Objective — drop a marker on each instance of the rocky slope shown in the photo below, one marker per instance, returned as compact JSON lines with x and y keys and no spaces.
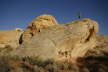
{"x":101,"y":48}
{"x":10,"y":37}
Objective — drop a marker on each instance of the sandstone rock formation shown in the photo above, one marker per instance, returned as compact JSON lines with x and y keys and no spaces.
{"x":10,"y":37}
{"x":36,"y":26}
{"x":75,"y":47}
{"x":61,"y":41}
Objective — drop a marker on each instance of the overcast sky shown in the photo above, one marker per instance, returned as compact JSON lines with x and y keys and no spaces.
{"x":19,"y":13}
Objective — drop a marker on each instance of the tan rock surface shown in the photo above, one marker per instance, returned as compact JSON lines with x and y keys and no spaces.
{"x":36,"y":26}
{"x":10,"y":37}
{"x":101,"y":48}
{"x":61,"y":41}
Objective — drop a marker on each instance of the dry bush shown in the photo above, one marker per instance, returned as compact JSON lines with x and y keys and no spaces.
{"x":32,"y":64}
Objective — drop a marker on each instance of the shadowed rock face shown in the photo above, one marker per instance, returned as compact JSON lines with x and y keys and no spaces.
{"x":36,"y":26}
{"x":61,"y":41}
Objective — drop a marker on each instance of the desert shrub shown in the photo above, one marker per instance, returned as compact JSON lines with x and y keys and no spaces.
{"x":94,"y":64}
{"x":34,"y":64}
{"x":33,"y":61}
{"x":4,"y":66}
{"x":51,"y":68}
{"x":5,"y":50}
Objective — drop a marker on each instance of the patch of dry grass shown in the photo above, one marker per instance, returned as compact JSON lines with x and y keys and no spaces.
{"x":31,"y":64}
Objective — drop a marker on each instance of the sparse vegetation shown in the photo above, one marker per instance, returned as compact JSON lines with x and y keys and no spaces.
{"x":30,"y":64}
{"x":6,"y":50}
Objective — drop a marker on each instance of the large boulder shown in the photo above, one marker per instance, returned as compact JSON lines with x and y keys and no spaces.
{"x":36,"y":26}
{"x":61,"y":41}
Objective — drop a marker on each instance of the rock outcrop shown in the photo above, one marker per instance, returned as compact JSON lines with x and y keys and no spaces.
{"x":10,"y":37}
{"x":61,"y":41}
{"x":36,"y":26}
{"x":48,"y":46}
